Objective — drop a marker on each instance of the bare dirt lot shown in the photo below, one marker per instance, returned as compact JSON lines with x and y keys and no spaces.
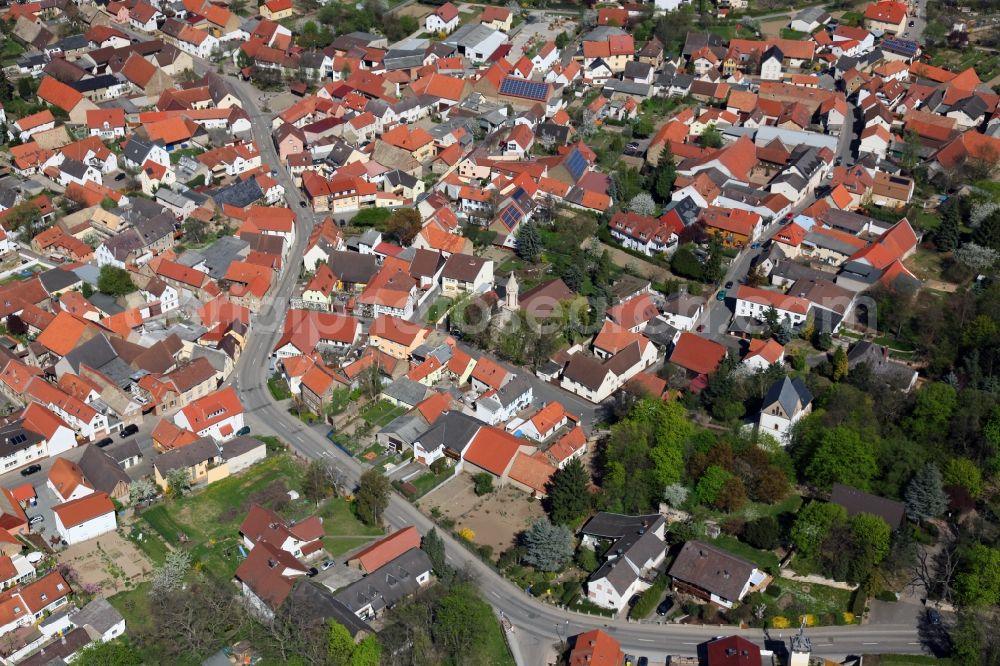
{"x":496,"y":518}
{"x":109,"y":561}
{"x":416,"y":10}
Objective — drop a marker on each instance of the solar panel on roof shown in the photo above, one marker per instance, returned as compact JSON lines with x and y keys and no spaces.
{"x":576,"y":164}
{"x":522,"y":88}
{"x":510,"y":216}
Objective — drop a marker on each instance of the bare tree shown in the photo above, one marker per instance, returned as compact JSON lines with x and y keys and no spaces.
{"x":936,"y":570}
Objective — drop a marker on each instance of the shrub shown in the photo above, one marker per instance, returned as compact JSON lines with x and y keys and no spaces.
{"x":467,"y":533}
{"x":886,"y":595}
{"x":439,"y":466}
{"x":484,"y":483}
{"x":763,"y":533}
{"x":773,"y":591}
{"x":587,"y":559}
{"x":571,"y":589}
{"x":649,"y":599}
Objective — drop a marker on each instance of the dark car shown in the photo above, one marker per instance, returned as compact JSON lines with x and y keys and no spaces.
{"x":633,"y":600}
{"x":120,"y":176}
{"x":107,"y":441}
{"x":643,"y":661}
{"x":313,"y":571}
{"x":129,"y":430}
{"x":245,"y":430}
{"x":302,"y":204}
{"x":31,"y":469}
{"x":729,"y":285}
{"x":911,"y":24}
{"x":664,"y":606}
{"x":933,"y":616}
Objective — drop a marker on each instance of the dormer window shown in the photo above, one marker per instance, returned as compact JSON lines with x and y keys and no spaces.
{"x":44,"y":597}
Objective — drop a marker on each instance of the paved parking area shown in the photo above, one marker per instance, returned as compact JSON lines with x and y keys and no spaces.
{"x":339,"y":576}
{"x":46,"y":500}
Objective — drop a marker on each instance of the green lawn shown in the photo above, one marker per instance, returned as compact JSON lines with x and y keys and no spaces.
{"x":423,"y":484}
{"x":10,"y":52}
{"x":278,"y":388}
{"x":176,"y":155}
{"x":151,"y":544}
{"x":381,"y":413}
{"x":905,"y":660}
{"x":762,"y":558}
{"x":509,"y":265}
{"x":134,"y":606}
{"x":209,"y":519}
{"x":438,"y":309}
{"x":788,"y":33}
{"x":816,"y":599}
{"x":344,"y":532}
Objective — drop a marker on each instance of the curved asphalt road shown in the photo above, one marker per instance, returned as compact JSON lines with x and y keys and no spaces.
{"x":537,"y":625}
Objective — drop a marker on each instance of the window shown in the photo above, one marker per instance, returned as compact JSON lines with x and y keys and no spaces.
{"x":44,"y":596}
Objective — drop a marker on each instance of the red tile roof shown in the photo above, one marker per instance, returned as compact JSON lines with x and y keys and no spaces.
{"x":697,"y":354}
{"x":83,"y":509}
{"x":213,"y":408}
{"x":387,"y":549}
{"x":59,"y":94}
{"x":595,"y":648}
{"x":493,"y":450}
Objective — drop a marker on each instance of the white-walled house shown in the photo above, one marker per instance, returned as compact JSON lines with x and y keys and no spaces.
{"x":786,"y":402}
{"x":218,"y":415}
{"x":638,"y":547}
{"x":67,"y":482}
{"x":501,"y":405}
{"x":85,"y":518}
{"x":754,"y":303}
{"x":444,"y":19}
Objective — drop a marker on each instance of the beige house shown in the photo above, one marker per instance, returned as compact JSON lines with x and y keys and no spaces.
{"x":891,"y":190}
{"x":201,"y":459}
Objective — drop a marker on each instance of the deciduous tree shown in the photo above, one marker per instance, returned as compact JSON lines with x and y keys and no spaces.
{"x":978,"y":580}
{"x":813,"y":522}
{"x":372,"y":497}
{"x":114,"y":281}
{"x":842,"y":455}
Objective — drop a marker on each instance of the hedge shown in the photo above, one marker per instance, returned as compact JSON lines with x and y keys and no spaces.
{"x":649,"y":599}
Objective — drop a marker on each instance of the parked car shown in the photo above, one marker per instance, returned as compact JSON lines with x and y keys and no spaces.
{"x":327,"y":564}
{"x":34,"y":520}
{"x":302,"y":204}
{"x":721,"y":296}
{"x":643,"y":661}
{"x":129,"y":430}
{"x":701,"y":327}
{"x":629,"y":660}
{"x":245,"y":430}
{"x":729,"y":285}
{"x":107,"y":441}
{"x":31,"y":469}
{"x":933,"y":616}
{"x":313,"y":571}
{"x":664,"y":606}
